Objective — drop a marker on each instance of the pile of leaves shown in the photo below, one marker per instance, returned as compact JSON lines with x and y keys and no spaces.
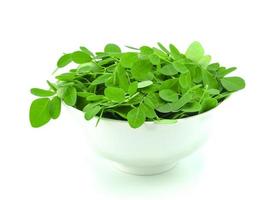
{"x":142,"y":84}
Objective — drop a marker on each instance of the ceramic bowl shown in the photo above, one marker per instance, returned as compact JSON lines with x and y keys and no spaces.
{"x":151,"y":149}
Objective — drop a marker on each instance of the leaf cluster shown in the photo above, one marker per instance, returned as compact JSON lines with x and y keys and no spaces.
{"x":142,"y":84}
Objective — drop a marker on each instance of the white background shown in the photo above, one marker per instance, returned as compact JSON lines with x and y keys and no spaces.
{"x":55,"y":162}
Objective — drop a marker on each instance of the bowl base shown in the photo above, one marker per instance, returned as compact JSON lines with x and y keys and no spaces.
{"x":145,"y":170}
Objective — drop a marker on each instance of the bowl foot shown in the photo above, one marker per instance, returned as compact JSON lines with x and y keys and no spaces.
{"x":145,"y":170}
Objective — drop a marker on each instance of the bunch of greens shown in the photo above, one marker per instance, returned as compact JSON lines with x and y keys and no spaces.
{"x":145,"y":84}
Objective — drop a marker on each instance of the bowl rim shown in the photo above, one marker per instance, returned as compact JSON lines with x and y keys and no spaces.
{"x":154,"y":122}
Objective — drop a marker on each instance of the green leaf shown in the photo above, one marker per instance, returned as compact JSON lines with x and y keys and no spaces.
{"x":222,"y":71}
{"x":122,"y":78}
{"x":112,"y":48}
{"x":207,"y":104}
{"x":213,"y":67}
{"x":163,"y":48}
{"x":233,"y":83}
{"x":130,"y":47}
{"x":168,"y":70}
{"x":52,"y":86}
{"x":175,"y":52}
{"x":86,"y":68}
{"x":132,"y":89}
{"x":205,"y":60}
{"x":145,"y":50}
{"x":209,"y":79}
{"x":80,"y":57}
{"x":55,"y":107}
{"x":186,"y":98}
{"x":91,"y":112}
{"x":152,"y":100}
{"x":128,"y":59}
{"x":165,"y":108}
{"x":39,"y":112}
{"x":106,"y":61}
{"x":141,"y":70}
{"x":213,"y":91}
{"x":166,"y":121}
{"x":185,"y":80}
{"x":70,"y":96}
{"x":41,"y":92}
{"x":94,"y":97}
{"x":87,"y":51}
{"x":66,"y":76}
{"x":168,"y":95}
{"x":64,"y":60}
{"x":180,"y":66}
{"x":101,"y":79}
{"x":121,"y":111}
{"x":89,"y":106}
{"x":197,"y":74}
{"x":143,"y":84}
{"x":83,"y":94}
{"x":191,"y":107}
{"x":149,"y":111}
{"x":162,"y":55}
{"x":115,"y":94}
{"x":170,"y":84}
{"x":136,"y":117}
{"x":195,"y":52}
{"x":154,"y":59}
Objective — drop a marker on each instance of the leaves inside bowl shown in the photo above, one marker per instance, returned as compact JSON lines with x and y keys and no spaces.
{"x":141,"y":84}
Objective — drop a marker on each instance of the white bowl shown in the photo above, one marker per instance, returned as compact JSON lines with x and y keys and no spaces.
{"x":152,"y":148}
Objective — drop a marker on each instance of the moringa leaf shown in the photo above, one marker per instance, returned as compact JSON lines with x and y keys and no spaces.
{"x":128,"y":59}
{"x":87,"y":51}
{"x":205,"y":60}
{"x":163,"y":48}
{"x":132,"y":89}
{"x":195,"y":51}
{"x":101,"y":79}
{"x":233,"y":83}
{"x":112,"y":48}
{"x":166,"y":121}
{"x":165,"y":108}
{"x":80,"y":57}
{"x":64,"y":60}
{"x":191,"y":107}
{"x":70,"y":95}
{"x":55,"y":107}
{"x":122,"y":78}
{"x":185,"y":80}
{"x":209,"y":79}
{"x":115,"y":94}
{"x":91,"y":112}
{"x":207,"y":104}
{"x":66,"y":76}
{"x":168,"y":95}
{"x":222,"y":71}
{"x":136,"y":117}
{"x":94,"y":97}
{"x":175,"y":52}
{"x":154,"y":59}
{"x":39,"y":112}
{"x":41,"y":92}
{"x":148,"y":111}
{"x":168,"y":70}
{"x":180,"y":66}
{"x":143,"y":84}
{"x":145,"y":50}
{"x":141,"y":70}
